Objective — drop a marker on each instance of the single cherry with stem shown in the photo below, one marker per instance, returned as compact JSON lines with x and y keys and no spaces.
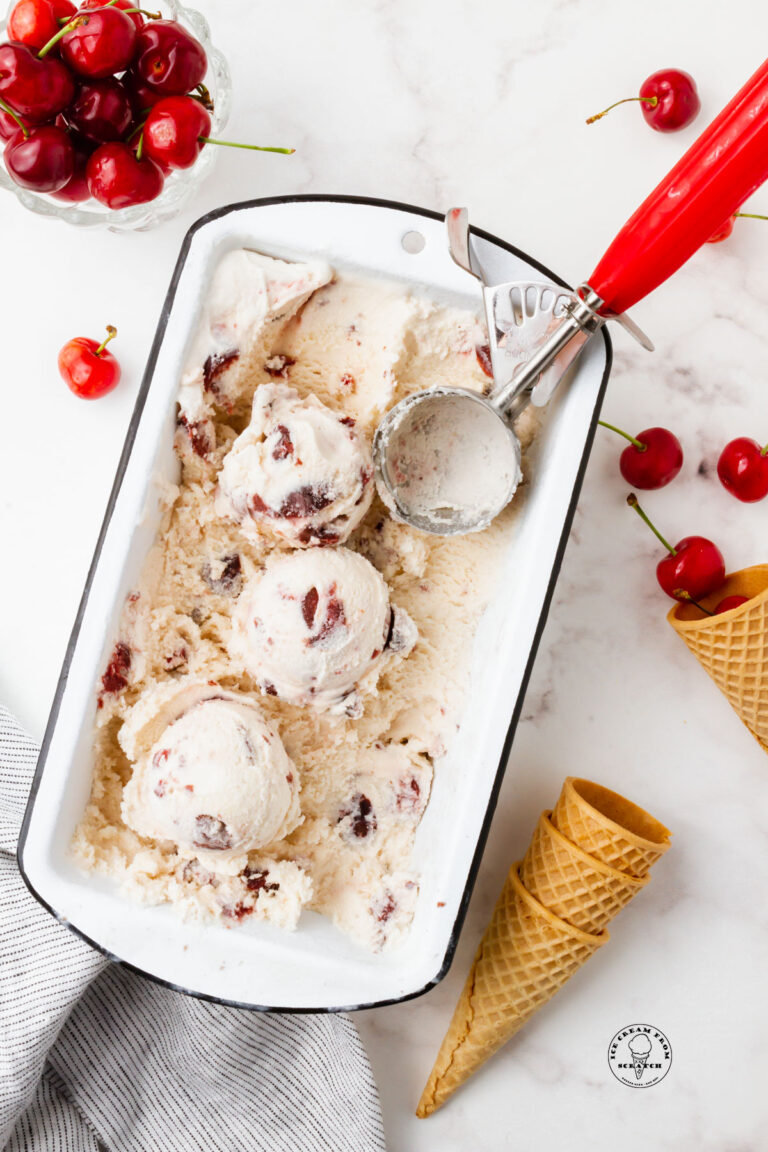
{"x":88,"y":368}
{"x":652,"y":459}
{"x":118,"y":177}
{"x":668,"y":100}
{"x":743,"y":469}
{"x":726,"y":229}
{"x":695,"y":565}
{"x":35,"y":22}
{"x":41,"y":159}
{"x":176,"y":130}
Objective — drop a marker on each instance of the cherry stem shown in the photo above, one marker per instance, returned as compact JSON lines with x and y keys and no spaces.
{"x":250,"y":147}
{"x":111,"y":333}
{"x":138,"y":128}
{"x":637,"y":443}
{"x":143,"y":12}
{"x":140,"y":147}
{"x":681,"y":594}
{"x":77,"y":21}
{"x":202,"y":94}
{"x":634,"y":503}
{"x":651,"y":101}
{"x":751,"y":215}
{"x":15,"y":116}
{"x":764,"y":451}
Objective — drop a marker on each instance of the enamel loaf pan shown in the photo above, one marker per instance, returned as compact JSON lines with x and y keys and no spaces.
{"x":314,"y":968}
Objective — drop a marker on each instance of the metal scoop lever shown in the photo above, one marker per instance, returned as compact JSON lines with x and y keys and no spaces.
{"x":536,"y":328}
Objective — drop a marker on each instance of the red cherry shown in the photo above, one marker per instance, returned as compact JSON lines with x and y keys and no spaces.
{"x":101,"y":110}
{"x":173,"y":131}
{"x":723,"y":231}
{"x":43,"y":159}
{"x":118,"y":179}
{"x":676,"y":99}
{"x":176,"y":130}
{"x":87,"y":368}
{"x":652,"y":459}
{"x":35,"y":22}
{"x":694,"y":567}
{"x":668,"y":99}
{"x":142,"y":96}
{"x":743,"y":469}
{"x":10,"y":122}
{"x":100,"y":43}
{"x":136,"y":17}
{"x":169,"y":59}
{"x":37,"y":89}
{"x":729,"y":603}
{"x":76,"y":189}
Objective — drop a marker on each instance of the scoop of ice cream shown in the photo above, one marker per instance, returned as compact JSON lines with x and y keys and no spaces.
{"x":299,"y":472}
{"x":215,"y":778}
{"x":314,"y":628}
{"x":248,"y":295}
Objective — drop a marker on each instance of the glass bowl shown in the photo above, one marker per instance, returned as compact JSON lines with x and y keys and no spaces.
{"x":180,"y":185}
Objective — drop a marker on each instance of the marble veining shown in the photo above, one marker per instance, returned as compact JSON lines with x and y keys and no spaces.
{"x":484,"y":104}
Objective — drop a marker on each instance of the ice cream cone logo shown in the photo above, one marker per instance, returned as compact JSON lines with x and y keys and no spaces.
{"x":640,"y":1047}
{"x":639,"y":1055}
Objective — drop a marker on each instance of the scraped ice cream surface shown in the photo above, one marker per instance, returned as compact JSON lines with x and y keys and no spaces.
{"x":290,"y":669}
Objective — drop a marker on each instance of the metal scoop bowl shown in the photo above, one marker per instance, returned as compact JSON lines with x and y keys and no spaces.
{"x":446,"y":461}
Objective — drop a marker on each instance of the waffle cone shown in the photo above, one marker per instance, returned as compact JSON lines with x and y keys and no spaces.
{"x":525,"y":956}
{"x":609,"y":827}
{"x":571,"y":883}
{"x":733,"y":646}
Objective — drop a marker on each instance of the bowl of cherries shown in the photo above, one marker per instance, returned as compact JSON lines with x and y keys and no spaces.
{"x":107,"y":109}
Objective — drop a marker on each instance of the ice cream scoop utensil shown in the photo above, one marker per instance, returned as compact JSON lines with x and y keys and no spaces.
{"x":534,"y":338}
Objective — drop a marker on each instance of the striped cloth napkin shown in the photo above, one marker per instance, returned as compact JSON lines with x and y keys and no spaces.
{"x":93,"y":1057}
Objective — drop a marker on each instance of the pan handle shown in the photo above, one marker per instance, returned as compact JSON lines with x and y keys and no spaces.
{"x":715,"y":176}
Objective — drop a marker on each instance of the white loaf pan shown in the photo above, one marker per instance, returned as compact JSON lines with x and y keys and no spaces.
{"x":315,"y":968}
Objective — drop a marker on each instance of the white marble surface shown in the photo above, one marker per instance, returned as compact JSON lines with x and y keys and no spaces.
{"x":483,"y":103}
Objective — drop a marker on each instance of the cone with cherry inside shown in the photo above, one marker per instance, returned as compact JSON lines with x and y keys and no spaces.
{"x":728,"y":634}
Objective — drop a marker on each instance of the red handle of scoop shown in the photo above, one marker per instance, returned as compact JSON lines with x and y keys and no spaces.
{"x":715,"y":176}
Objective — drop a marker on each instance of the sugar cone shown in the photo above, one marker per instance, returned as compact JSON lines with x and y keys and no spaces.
{"x":525,"y":956}
{"x":571,"y":883}
{"x":609,"y":827}
{"x":733,"y":646}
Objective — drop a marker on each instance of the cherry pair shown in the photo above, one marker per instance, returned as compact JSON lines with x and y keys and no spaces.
{"x":654,"y":457}
{"x":171,"y":137}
